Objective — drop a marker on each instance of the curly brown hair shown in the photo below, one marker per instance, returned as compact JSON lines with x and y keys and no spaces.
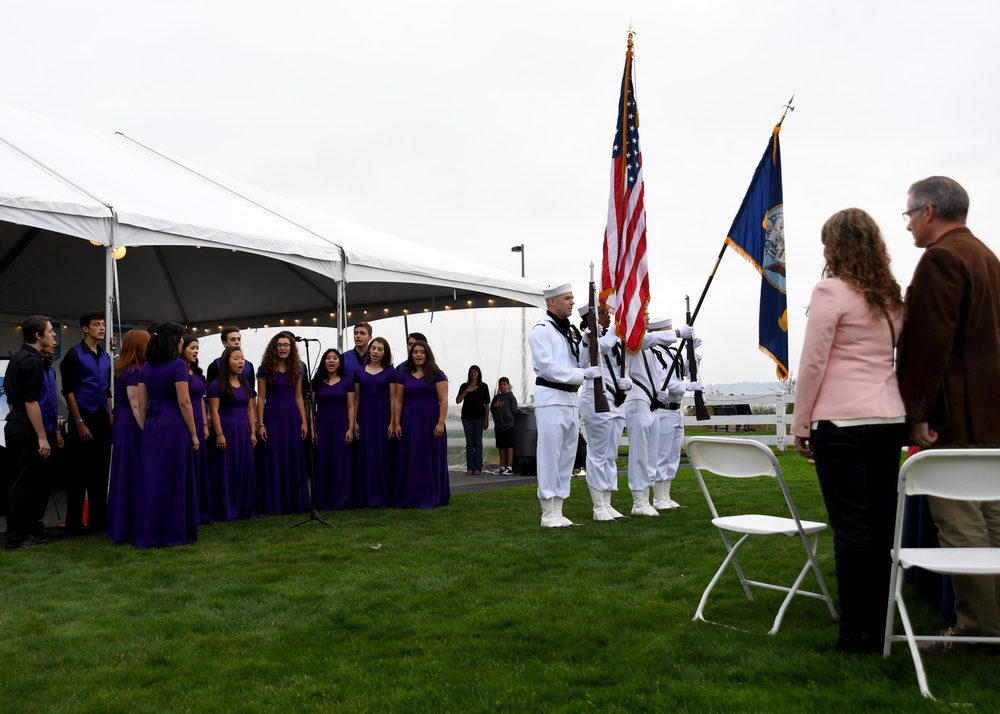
{"x":855,"y":252}
{"x":269,"y":362}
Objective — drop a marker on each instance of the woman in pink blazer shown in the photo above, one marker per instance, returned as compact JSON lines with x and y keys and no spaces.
{"x":849,"y":416}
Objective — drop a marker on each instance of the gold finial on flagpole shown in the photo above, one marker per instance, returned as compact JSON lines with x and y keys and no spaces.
{"x":631,"y":33}
{"x":788,"y":107}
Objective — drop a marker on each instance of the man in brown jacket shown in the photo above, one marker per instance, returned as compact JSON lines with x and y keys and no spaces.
{"x":949,"y":372}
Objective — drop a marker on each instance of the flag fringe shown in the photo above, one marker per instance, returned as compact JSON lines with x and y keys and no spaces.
{"x":780,"y":369}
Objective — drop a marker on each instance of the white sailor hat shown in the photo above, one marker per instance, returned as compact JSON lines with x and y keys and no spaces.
{"x":584,"y":309}
{"x":557,"y":290}
{"x":661,"y":323}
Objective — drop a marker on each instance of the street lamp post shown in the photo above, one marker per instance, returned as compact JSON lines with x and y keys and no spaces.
{"x":524,"y":335}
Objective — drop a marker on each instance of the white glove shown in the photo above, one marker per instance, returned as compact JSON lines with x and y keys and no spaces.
{"x":692,"y":387}
{"x":697,"y":342}
{"x":624,"y":384}
{"x":591,"y":372}
{"x":663,"y":397}
{"x":686,"y":332}
{"x":660,"y":338}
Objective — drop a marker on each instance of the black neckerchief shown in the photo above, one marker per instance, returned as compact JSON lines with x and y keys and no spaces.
{"x":567,"y":330}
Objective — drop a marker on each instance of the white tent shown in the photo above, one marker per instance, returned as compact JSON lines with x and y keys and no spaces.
{"x":198,"y":247}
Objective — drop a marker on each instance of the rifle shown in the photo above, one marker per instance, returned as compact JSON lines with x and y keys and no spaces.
{"x":700,"y":410}
{"x":600,"y":398}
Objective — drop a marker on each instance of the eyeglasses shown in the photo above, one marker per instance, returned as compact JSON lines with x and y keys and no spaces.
{"x":908,"y":215}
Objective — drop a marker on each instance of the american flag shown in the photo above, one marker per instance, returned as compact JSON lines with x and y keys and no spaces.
{"x":624,"y":268}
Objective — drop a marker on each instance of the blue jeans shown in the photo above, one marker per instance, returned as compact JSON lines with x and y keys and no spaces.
{"x":473,"y":444}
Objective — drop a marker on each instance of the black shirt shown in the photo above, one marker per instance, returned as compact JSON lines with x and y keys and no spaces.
{"x":23,"y":381}
{"x":475,"y":404}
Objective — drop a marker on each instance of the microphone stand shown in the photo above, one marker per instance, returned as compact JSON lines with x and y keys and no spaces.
{"x":312,"y":440}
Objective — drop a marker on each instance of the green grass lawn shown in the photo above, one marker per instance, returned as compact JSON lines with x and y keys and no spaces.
{"x":468,"y":608}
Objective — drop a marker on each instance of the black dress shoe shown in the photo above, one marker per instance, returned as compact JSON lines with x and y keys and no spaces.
{"x":859,"y":643}
{"x":28,"y":542}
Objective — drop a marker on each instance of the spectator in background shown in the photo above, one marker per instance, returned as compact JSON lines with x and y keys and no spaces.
{"x":503,"y":408}
{"x":949,"y":376}
{"x":474,"y":396}
{"x":849,"y":416}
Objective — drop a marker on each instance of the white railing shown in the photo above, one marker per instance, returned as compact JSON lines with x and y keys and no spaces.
{"x":778,"y":420}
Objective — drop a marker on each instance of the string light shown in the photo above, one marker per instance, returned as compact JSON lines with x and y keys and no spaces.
{"x":120,"y":252}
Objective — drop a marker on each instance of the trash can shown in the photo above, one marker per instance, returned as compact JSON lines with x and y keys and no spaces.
{"x":525,"y":441}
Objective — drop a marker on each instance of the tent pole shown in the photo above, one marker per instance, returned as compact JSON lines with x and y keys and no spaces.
{"x":341,"y":316}
{"x":109,"y":316}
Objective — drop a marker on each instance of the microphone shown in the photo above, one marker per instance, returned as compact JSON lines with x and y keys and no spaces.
{"x":305,"y":339}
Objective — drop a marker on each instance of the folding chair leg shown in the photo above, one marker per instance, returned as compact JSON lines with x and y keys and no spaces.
{"x":792,"y":591}
{"x":736,"y":563}
{"x":699,"y":614}
{"x":918,"y":663}
{"x":788,"y":598}
{"x":890,"y":618}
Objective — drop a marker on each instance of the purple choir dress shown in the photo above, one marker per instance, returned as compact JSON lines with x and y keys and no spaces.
{"x":127,"y":436}
{"x":234,"y":489}
{"x":333,"y":479}
{"x":167,"y":489}
{"x":421,"y":479}
{"x":196,"y":387}
{"x":282,"y":484}
{"x":373,"y":471}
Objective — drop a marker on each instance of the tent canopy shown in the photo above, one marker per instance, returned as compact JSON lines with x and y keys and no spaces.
{"x":200,"y":247}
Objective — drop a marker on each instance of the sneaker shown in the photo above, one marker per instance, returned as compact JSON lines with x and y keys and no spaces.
{"x":956,"y":647}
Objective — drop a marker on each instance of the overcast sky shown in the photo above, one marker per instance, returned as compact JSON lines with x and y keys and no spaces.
{"x":472,"y":127}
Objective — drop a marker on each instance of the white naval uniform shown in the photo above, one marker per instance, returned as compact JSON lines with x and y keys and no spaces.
{"x":671,"y":422}
{"x":557,"y":416}
{"x":604,"y":431}
{"x":643,"y":423}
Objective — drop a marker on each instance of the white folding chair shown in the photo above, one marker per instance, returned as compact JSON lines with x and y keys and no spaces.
{"x":742,"y":458}
{"x":957,"y":474}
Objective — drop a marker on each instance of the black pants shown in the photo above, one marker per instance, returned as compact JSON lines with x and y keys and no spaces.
{"x":27,"y":481}
{"x":858,"y":469}
{"x":88,"y":473}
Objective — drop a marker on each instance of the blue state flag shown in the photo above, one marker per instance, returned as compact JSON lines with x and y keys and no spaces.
{"x":758,"y":234}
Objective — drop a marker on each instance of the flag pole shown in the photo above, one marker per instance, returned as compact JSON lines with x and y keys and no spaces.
{"x":708,"y":283}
